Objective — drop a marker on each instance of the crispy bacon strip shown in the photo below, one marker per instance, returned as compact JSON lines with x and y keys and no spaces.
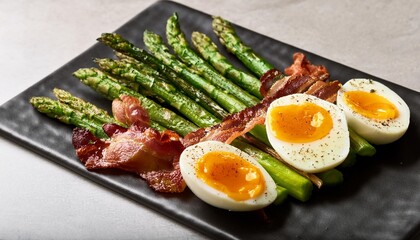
{"x":152,"y":155}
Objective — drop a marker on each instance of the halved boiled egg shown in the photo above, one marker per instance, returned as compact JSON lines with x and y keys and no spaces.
{"x":226,"y":177}
{"x":373,"y":110}
{"x":307,"y":132}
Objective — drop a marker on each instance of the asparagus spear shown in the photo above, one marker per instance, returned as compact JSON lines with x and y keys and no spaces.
{"x":208,"y":50}
{"x":68,"y":115}
{"x":111,"y":89}
{"x":169,"y":93}
{"x":78,"y":104}
{"x":228,"y":37}
{"x":164,"y":61}
{"x":360,"y":145}
{"x":177,"y":40}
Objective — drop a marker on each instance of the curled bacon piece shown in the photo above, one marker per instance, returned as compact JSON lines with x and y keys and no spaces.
{"x":152,"y":155}
{"x":302,"y":66}
{"x":129,"y":110}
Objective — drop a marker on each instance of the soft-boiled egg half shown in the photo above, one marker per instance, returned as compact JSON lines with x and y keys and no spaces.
{"x":226,"y":177}
{"x":373,"y":110}
{"x":307,"y":132}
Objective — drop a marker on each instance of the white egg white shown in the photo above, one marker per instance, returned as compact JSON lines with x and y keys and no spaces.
{"x":318,"y":155}
{"x":211,"y":195}
{"x":375,"y":131}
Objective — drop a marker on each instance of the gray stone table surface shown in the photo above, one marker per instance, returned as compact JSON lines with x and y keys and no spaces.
{"x":41,"y":200}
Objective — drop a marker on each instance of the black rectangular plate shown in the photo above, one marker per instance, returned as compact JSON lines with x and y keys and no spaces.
{"x":380,"y":198}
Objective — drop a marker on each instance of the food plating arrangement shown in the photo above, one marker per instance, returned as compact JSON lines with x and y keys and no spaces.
{"x":229,"y":132}
{"x":240,"y":141}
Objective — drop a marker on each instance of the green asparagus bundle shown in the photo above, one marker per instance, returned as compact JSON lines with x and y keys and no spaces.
{"x":155,"y":44}
{"x":169,"y":93}
{"x":111,"y":89}
{"x":208,"y":50}
{"x":153,"y":41}
{"x":124,"y":47}
{"x":157,"y":47}
{"x":179,"y":44}
{"x":164,"y":59}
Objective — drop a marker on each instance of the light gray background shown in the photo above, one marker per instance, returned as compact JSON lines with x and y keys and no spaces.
{"x":41,"y":200}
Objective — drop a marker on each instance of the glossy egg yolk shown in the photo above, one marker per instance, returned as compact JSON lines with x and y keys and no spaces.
{"x":230,"y":174}
{"x":300,"y":123}
{"x":371,"y":105}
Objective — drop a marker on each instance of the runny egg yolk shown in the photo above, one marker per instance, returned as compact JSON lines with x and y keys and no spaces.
{"x":371,"y":105}
{"x":230,"y":174}
{"x":300,"y":123}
